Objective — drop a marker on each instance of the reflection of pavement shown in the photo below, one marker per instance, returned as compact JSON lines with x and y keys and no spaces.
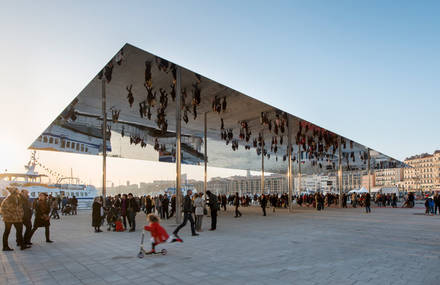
{"x":308,"y":247}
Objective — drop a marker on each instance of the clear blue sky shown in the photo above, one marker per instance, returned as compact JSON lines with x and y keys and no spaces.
{"x":368,"y":70}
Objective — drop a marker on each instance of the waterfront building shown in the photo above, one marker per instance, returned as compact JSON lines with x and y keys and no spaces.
{"x":388,"y":177}
{"x":423,"y":173}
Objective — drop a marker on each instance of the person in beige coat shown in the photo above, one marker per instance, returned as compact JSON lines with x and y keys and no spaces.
{"x":12,"y":213}
{"x":199,"y":204}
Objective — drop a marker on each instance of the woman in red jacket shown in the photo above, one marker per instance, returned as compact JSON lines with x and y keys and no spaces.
{"x":158,"y":233}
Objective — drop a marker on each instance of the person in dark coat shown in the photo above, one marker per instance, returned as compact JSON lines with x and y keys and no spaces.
{"x":132,"y":209}
{"x":27,"y":217}
{"x":96,"y":214}
{"x":263,"y":203}
{"x":224,"y":201}
{"x":237,"y":204}
{"x":367,"y":203}
{"x":165,"y":206}
{"x":74,"y":206}
{"x":148,"y":204}
{"x":213,"y":205}
{"x":187,"y":211}
{"x":42,"y":219}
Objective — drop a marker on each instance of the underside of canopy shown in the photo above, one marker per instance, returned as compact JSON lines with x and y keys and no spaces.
{"x":141,"y":114}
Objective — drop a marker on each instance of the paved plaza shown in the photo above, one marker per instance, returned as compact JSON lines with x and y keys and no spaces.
{"x":389,"y":246}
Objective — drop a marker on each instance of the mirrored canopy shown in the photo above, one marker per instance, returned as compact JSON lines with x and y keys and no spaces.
{"x":141,"y":112}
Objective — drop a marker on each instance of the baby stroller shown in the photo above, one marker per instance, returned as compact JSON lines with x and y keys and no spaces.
{"x":67,"y":210}
{"x":112,"y":216}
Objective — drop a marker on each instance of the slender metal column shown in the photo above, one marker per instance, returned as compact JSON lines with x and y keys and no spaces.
{"x":262,"y":164}
{"x":340,"y":171}
{"x":289,"y":166}
{"x":178,"y":149}
{"x":369,"y":171}
{"x":299,"y":170}
{"x":104,"y":142}
{"x":205,"y":184}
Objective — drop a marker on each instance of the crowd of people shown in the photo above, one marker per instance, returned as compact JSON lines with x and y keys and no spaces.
{"x":17,"y":210}
{"x":119,"y":211}
{"x":432,"y":204}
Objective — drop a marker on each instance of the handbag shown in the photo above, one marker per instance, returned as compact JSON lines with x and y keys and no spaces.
{"x":205,"y":212}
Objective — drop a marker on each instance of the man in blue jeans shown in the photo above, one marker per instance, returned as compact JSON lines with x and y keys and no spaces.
{"x":187,"y":211}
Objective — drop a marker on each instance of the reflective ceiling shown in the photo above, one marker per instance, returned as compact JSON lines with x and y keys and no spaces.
{"x":141,"y":112}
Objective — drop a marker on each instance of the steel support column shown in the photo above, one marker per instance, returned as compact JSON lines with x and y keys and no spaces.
{"x":340,"y":171}
{"x":369,"y":171}
{"x":289,"y":166}
{"x":178,"y":148}
{"x":104,"y":141}
{"x":205,"y":181}
{"x":299,"y":170}
{"x":262,"y":164}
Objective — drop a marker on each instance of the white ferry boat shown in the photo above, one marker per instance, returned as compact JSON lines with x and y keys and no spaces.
{"x":36,"y":183}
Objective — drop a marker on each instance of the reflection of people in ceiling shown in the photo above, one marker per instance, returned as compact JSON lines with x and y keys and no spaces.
{"x":130,"y":96}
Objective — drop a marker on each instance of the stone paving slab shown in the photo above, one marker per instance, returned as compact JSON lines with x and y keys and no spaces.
{"x":335,"y":246}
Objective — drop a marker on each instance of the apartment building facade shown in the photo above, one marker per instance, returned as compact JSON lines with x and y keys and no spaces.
{"x":424,"y":173}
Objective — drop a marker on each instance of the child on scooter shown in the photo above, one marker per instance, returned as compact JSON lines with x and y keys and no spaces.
{"x":158,"y":233}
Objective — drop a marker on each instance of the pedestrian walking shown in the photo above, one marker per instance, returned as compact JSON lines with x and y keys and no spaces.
{"x":237,"y":205}
{"x":187,"y":212}
{"x":54,"y":206}
{"x":27,"y":215}
{"x":42,"y":218}
{"x":12,"y":212}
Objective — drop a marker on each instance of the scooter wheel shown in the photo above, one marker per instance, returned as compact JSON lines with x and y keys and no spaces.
{"x":164,"y":251}
{"x":141,"y":254}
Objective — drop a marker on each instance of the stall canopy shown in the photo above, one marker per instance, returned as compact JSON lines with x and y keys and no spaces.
{"x":141,"y":111}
